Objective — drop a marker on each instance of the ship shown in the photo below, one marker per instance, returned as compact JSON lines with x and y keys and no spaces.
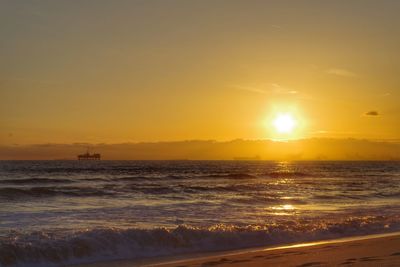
{"x":88,"y":156}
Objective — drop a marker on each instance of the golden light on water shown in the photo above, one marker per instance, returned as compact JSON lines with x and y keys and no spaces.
{"x":284,"y":207}
{"x":282,"y":210}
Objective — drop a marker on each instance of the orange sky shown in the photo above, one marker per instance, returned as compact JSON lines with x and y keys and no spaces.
{"x":131,"y":71}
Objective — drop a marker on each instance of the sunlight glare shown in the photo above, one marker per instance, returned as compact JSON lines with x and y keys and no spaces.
{"x":284,"y":123}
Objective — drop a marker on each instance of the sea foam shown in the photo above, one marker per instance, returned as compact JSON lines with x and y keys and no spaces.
{"x":84,"y":246}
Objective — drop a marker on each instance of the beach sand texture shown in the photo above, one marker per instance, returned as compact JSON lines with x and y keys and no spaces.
{"x":374,"y":251}
{"x":383,"y":251}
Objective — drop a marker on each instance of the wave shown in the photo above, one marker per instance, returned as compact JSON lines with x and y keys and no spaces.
{"x":142,"y":178}
{"x":387,"y":194}
{"x":95,"y":179}
{"x":49,"y":249}
{"x":115,"y":189}
{"x":157,"y":189}
{"x":231,"y":176}
{"x":12,"y":193}
{"x":182,"y":177}
{"x":288,"y":174}
{"x":35,"y":181}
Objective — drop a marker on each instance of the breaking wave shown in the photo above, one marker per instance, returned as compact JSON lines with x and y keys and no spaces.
{"x":45,"y":249}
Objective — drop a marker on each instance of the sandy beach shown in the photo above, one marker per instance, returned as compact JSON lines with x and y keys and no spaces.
{"x":374,"y":250}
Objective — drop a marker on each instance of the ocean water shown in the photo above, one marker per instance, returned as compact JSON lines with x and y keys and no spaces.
{"x":54,"y":213}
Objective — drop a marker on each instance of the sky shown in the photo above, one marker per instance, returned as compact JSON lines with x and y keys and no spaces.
{"x":149,"y":71}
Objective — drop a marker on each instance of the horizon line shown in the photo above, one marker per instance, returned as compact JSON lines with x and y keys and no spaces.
{"x":389,"y":140}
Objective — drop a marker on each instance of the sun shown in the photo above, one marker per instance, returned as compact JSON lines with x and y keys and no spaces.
{"x":284,"y":123}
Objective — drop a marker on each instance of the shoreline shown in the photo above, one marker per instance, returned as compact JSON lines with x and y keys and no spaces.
{"x":284,"y":255}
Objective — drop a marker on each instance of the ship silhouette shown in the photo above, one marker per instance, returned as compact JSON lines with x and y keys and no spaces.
{"x":88,"y":156}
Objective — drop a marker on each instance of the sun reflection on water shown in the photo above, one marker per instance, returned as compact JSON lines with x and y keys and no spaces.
{"x":284,"y":207}
{"x":282,"y":210}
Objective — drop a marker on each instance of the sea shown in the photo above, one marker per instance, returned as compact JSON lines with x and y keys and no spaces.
{"x":58,"y":213}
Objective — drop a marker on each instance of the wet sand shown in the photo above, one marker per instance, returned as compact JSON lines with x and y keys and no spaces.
{"x":376,"y":250}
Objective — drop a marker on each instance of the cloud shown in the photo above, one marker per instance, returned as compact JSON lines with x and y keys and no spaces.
{"x":335,"y":133}
{"x":341,"y":72}
{"x":251,"y":89}
{"x":279,"y":89}
{"x":276,"y":26}
{"x":272,"y":88}
{"x":372,"y":113}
